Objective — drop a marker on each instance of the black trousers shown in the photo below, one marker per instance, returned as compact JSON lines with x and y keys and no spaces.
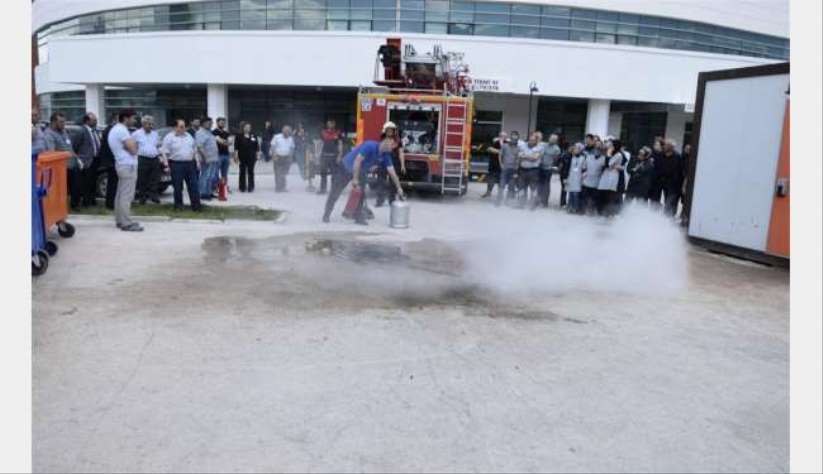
{"x":385,"y":187}
{"x":88,"y":184}
{"x":589,"y":196}
{"x":528,"y":183}
{"x":544,"y":186}
{"x":670,"y":194}
{"x":247,"y":174}
{"x":684,"y":212}
{"x":669,"y":191}
{"x":635,"y":196}
{"x":562,"y":192}
{"x":610,"y":202}
{"x":75,"y":182}
{"x":148,"y":178}
{"x":339,"y":180}
{"x":328,"y":166}
{"x":671,"y":197}
{"x":185,"y":172}
{"x":111,"y":186}
{"x":492,"y":178}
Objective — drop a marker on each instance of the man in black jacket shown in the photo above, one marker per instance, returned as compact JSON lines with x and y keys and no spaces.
{"x":684,"y":199}
{"x":87,"y":146}
{"x":564,"y":164}
{"x":669,"y":176}
{"x":641,"y":175}
{"x":265,"y":144}
{"x":106,"y":162}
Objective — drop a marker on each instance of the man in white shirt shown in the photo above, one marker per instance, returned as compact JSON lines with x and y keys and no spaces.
{"x":179,"y":155}
{"x":530,"y":154}
{"x":148,"y":163}
{"x":124,"y":149}
{"x":548,"y":162}
{"x":282,"y":149}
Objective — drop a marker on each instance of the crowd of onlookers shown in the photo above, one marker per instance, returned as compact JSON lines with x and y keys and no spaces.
{"x":596,"y":176}
{"x":197,"y":156}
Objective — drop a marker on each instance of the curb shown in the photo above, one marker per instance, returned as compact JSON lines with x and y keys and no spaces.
{"x":93,"y":217}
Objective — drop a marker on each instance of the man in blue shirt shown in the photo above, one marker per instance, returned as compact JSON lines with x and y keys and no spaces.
{"x":355,"y":167}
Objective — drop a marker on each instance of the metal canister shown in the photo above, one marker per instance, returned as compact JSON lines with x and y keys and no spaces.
{"x":399,"y":216}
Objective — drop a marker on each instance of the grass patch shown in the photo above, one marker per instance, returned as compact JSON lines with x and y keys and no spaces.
{"x":251,"y":213}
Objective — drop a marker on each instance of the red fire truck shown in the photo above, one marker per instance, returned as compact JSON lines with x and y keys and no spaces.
{"x":428,"y":97}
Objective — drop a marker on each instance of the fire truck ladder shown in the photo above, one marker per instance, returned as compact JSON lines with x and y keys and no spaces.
{"x":453,"y":166}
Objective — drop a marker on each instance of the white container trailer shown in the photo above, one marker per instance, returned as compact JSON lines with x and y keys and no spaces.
{"x":738,"y":186}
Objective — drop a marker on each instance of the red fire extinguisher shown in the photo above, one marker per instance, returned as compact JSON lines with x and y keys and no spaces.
{"x":353,"y":203}
{"x":222,"y":190}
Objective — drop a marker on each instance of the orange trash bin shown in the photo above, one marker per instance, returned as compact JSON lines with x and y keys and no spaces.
{"x":52,"y":168}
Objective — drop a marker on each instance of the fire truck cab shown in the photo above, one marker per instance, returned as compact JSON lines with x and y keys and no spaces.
{"x":428,"y":98}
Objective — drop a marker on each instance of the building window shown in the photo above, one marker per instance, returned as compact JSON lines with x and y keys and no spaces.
{"x":361,"y":10}
{"x":165,"y":105}
{"x":566,"y":117}
{"x":360,"y":25}
{"x":458,"y":17}
{"x":310,"y":19}
{"x":436,"y":28}
{"x":460,"y":29}
{"x":461,"y":12}
{"x":72,"y":104}
{"x":638,"y":129}
{"x":437,"y":10}
{"x":291,"y":107}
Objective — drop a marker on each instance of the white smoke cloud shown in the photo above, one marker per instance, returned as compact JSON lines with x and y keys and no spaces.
{"x":508,"y":253}
{"x":639,"y":251}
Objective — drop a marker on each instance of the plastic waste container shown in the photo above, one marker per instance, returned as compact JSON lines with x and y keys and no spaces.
{"x":39,"y":254}
{"x":56,"y":200}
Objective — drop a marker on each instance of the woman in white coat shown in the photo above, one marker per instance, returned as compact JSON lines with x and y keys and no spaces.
{"x":610,"y":178}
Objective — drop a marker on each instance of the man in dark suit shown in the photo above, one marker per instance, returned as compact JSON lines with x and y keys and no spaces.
{"x":106,"y":162}
{"x":87,"y":147}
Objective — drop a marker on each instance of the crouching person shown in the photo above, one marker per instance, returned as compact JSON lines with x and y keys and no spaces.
{"x":355,"y":167}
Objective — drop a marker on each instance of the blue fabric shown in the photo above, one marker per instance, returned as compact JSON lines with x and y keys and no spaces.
{"x":574,"y":202}
{"x":185,"y":172}
{"x":370,"y":150}
{"x":209,"y":174}
{"x":224,"y":166}
{"x":506,"y":184}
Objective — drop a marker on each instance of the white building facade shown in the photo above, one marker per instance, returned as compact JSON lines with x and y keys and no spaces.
{"x":627,"y":68}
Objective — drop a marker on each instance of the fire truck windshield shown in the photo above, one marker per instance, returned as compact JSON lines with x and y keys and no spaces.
{"x":418,"y":130}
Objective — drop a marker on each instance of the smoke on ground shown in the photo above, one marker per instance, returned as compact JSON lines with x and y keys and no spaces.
{"x":637,"y":252}
{"x":509,"y":253}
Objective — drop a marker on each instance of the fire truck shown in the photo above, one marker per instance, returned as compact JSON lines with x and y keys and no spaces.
{"x":428,"y":96}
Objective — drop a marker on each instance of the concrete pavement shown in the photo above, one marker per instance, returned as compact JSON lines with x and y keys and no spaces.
{"x":507,"y":341}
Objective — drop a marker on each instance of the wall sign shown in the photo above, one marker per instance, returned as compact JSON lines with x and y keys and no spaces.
{"x":485,"y":85}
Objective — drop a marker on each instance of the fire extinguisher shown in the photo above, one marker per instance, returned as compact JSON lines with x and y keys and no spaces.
{"x":222,"y":190}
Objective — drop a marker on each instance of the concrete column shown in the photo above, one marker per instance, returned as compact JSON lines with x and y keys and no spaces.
{"x":95,"y":95}
{"x":597,"y":117}
{"x":615,"y":122}
{"x":676,"y":120}
{"x":217,"y":102}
